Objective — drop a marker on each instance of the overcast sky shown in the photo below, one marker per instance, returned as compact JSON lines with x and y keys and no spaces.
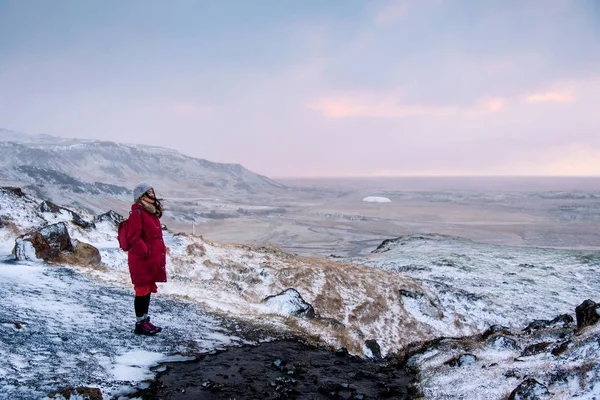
{"x":315,"y":87}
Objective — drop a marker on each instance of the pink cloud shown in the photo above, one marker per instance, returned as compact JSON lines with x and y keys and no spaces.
{"x":555,"y":97}
{"x":387,"y":105}
{"x":391,"y":12}
{"x":495,"y":105}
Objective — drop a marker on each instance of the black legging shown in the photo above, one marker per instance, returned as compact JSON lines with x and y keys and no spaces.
{"x":141,"y":304}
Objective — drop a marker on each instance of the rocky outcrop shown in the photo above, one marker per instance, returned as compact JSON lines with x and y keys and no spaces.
{"x":530,"y":389}
{"x":15,"y":191}
{"x":45,"y":244}
{"x":110,"y":216}
{"x":564,"y":320}
{"x":373,"y":347}
{"x":49,"y":207}
{"x":588,"y":313}
{"x":53,"y":243}
{"x":289,"y":302}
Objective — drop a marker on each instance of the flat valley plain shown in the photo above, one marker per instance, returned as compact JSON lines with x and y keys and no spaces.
{"x":328,"y":217}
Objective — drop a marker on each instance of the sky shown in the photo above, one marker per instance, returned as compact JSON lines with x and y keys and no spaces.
{"x":315,"y":88}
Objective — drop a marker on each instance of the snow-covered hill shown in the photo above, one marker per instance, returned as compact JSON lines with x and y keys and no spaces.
{"x":476,"y":286}
{"x":77,"y":171}
{"x":59,"y":320}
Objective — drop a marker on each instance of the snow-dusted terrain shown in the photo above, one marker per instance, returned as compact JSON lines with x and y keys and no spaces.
{"x":71,"y":325}
{"x":376,"y":199}
{"x":480,"y":285}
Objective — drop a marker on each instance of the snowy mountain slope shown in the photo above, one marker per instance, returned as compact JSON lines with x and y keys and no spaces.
{"x":489,"y":284}
{"x":90,"y":173}
{"x":422,"y":288}
{"x":482,"y":285}
{"x":121,"y":164}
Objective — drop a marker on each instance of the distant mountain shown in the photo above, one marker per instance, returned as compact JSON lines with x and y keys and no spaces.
{"x":50,"y":165}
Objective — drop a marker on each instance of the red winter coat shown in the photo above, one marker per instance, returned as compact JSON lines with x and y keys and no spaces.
{"x":148,"y":254}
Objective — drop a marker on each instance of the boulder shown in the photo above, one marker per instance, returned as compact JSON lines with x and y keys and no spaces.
{"x":15,"y":191}
{"x":530,"y":389}
{"x":83,"y":254}
{"x":45,"y":244}
{"x":501,"y":342}
{"x":494,"y":329}
{"x":31,"y":247}
{"x":535,"y":348}
{"x":289,"y":302}
{"x":373,"y":347}
{"x":565,"y":320}
{"x":587,"y":313}
{"x":49,"y":207}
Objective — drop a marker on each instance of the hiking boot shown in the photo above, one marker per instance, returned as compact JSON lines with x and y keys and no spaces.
{"x":156,"y":328}
{"x":144,"y":328}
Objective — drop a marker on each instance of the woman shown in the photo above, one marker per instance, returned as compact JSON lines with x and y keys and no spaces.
{"x":147,"y":255}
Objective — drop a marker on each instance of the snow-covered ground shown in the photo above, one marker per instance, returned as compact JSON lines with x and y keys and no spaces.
{"x":61,"y":328}
{"x":72,"y":325}
{"x":480,"y":285}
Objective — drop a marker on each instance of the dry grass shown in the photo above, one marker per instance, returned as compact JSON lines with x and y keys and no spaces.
{"x":195,"y":249}
{"x":371,"y":310}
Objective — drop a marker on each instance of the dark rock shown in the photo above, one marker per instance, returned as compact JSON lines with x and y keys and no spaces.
{"x":561,"y":348}
{"x":49,"y":207}
{"x":502,"y":342}
{"x":386,"y":245}
{"x":411,"y":294}
{"x":530,"y":389}
{"x":588,"y":313}
{"x":110,"y":216}
{"x":342,"y":352}
{"x":494,"y":329}
{"x":372,"y":345}
{"x":291,"y":299}
{"x":462,"y":360}
{"x":565,"y":320}
{"x":15,"y":191}
{"x":526,"y":265}
{"x":535,"y":349}
{"x":536,"y":325}
{"x":57,"y":236}
{"x":213,"y":386}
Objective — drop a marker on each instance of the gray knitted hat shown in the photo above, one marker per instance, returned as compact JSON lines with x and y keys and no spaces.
{"x":140,"y":189}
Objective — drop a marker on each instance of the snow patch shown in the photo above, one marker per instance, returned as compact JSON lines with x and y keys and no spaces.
{"x":376,"y":199}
